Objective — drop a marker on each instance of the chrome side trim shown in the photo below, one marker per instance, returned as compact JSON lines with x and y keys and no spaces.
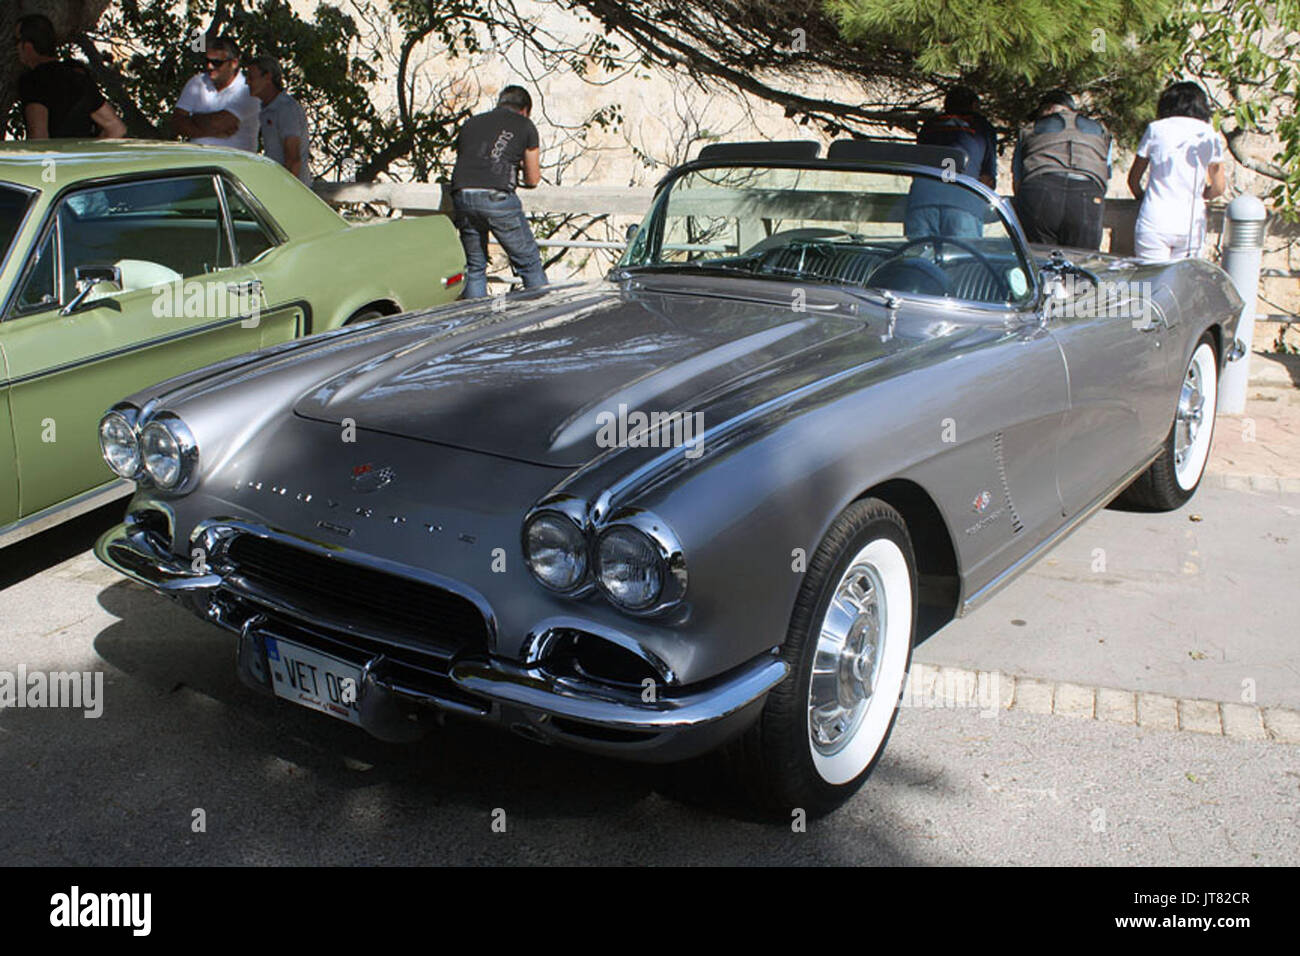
{"x":65,"y":511}
{"x":125,"y":349}
{"x":1060,"y":534}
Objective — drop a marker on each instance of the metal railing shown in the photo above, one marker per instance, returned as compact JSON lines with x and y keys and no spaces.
{"x":631,"y":201}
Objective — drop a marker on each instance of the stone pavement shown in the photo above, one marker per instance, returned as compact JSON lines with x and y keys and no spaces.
{"x":1260,"y":450}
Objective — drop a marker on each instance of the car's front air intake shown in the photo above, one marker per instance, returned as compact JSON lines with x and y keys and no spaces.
{"x":363,"y":599}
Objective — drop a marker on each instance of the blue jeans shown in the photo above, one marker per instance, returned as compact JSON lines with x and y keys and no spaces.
{"x":941,"y":221}
{"x":478,"y":211}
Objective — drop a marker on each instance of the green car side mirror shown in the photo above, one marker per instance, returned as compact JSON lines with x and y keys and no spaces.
{"x":87,"y":278}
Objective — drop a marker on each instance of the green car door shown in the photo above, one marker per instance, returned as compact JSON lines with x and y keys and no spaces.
{"x":184,"y":296}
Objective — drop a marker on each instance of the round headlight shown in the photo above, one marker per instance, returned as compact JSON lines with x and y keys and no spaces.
{"x":119,"y":445}
{"x":162,"y":455}
{"x":556,"y":551}
{"x":629,"y":568}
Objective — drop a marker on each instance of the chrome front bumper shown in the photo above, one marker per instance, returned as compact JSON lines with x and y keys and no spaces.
{"x":681,"y":722}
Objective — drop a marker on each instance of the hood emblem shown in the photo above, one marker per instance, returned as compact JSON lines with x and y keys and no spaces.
{"x":981,"y":502}
{"x":369,"y":477}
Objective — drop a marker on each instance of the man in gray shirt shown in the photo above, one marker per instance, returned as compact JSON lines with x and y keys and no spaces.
{"x":285,"y":137}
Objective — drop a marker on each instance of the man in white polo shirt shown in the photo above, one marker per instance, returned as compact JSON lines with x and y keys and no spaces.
{"x":215,"y":108}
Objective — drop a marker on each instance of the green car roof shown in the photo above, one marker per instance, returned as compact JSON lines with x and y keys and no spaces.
{"x":297,"y":210}
{"x":24,"y":161}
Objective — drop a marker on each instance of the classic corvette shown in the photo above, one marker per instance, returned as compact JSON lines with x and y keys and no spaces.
{"x":125,"y":263}
{"x":821,"y":407}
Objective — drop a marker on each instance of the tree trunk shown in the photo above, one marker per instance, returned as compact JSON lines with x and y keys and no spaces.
{"x":68,"y":16}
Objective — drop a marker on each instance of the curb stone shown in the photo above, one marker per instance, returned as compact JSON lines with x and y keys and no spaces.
{"x":929,"y":685}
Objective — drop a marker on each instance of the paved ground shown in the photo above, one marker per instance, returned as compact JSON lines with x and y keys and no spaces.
{"x":1199,"y":605}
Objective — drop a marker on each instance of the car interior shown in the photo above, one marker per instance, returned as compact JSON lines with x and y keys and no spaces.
{"x":154,"y":231}
{"x":889,"y":227}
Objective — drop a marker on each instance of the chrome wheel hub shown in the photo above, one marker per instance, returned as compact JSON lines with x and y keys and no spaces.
{"x":1191,"y":413}
{"x":850,"y":648}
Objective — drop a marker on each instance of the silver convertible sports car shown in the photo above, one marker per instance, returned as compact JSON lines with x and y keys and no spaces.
{"x":821,"y":407}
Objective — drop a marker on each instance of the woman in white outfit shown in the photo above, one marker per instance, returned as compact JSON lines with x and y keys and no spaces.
{"x":1185,"y":158}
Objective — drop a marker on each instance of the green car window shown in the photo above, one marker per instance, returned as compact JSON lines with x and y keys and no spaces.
{"x":163,"y":229}
{"x":40,"y":290}
{"x":251,"y":237}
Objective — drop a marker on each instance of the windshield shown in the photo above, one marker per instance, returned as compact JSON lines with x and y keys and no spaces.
{"x":13,"y":205}
{"x":877,"y":230}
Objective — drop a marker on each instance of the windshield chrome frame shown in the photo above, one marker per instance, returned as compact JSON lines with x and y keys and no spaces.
{"x":652,"y":223}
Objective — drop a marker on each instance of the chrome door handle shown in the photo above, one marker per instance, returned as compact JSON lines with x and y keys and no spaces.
{"x":248,"y":287}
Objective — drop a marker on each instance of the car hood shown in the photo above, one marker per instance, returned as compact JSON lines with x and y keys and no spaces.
{"x":537,"y":381}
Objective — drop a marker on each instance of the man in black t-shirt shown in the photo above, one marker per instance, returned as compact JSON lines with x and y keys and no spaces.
{"x":59,"y":97}
{"x":495,"y":151}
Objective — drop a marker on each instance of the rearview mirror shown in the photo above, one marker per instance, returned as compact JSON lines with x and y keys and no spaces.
{"x":87,"y":278}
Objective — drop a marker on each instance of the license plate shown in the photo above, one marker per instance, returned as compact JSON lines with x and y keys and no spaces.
{"x":314,"y":680}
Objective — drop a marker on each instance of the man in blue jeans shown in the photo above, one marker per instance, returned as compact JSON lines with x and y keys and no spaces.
{"x":492,"y":149}
{"x":943,"y":208}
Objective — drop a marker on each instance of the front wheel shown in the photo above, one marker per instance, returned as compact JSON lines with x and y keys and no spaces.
{"x":1175,"y":475}
{"x":849,"y":647}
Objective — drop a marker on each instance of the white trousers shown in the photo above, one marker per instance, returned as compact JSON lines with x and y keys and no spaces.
{"x":1151,"y":245}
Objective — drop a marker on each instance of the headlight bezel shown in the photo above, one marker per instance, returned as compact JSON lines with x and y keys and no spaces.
{"x":129,"y":416}
{"x":187,"y":452}
{"x":663,"y":541}
{"x":667,"y":548}
{"x":140,"y":421}
{"x":572,"y":513}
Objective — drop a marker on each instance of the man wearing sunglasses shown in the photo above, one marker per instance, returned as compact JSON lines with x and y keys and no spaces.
{"x":216,"y":108}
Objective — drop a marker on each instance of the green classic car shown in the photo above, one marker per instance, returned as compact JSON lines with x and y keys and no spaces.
{"x":126,"y":263}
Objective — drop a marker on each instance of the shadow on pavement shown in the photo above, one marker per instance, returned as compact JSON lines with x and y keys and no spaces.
{"x":33,"y":555}
{"x":281,"y":784}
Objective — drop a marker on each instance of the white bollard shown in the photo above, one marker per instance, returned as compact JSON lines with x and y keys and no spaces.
{"x":1243,"y":248}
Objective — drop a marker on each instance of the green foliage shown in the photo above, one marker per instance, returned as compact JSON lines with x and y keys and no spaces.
{"x":1014,"y":51}
{"x":1120,"y":53}
{"x":158,"y":39}
{"x":1247,"y":53}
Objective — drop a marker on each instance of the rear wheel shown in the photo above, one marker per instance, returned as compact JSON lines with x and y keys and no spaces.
{"x":849,"y":647}
{"x":1175,"y":475}
{"x":365,"y":315}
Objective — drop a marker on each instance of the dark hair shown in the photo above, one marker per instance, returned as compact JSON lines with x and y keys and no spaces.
{"x":36,"y":29}
{"x":516,"y":98}
{"x":271,"y":67}
{"x":1057,"y":98}
{"x":961,"y":99}
{"x":1184,"y":99}
{"x":225,"y":45}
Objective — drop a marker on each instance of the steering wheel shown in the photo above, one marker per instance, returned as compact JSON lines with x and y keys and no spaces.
{"x":937,"y":242}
